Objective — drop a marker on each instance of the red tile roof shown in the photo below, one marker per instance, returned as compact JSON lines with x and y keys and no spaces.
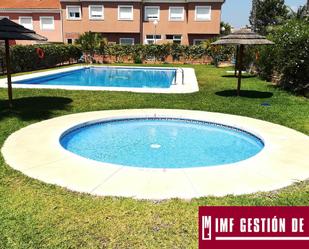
{"x":29,"y":4}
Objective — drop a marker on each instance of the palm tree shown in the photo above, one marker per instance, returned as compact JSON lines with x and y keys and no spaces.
{"x":103,"y":48}
{"x":89,"y":42}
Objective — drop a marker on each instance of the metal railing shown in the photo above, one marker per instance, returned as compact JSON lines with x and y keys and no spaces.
{"x":182,"y":75}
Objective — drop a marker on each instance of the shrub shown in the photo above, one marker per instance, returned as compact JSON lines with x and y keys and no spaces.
{"x":149,"y":51}
{"x":194,"y":52}
{"x":177,"y":51}
{"x":25,"y":58}
{"x":163,"y":51}
{"x":119,"y":51}
{"x":289,"y":57}
{"x":218,"y":53}
{"x":137,"y":59}
{"x":251,"y":55}
{"x":137,"y":53}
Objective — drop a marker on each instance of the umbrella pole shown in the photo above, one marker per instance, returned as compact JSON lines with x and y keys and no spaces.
{"x":8,"y":71}
{"x":241,"y":54}
{"x":236,"y":60}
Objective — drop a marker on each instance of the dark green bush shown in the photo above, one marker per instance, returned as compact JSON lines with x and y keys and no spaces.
{"x":289,"y":57}
{"x":137,"y":59}
{"x":25,"y":58}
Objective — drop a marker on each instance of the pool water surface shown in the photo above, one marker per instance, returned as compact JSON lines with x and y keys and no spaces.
{"x":161,"y":143}
{"x":108,"y":77}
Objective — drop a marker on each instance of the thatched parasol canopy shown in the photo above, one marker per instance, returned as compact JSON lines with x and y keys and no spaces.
{"x":10,"y":30}
{"x":242,"y":38}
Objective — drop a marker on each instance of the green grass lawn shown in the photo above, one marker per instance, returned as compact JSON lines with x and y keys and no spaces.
{"x":38,"y":215}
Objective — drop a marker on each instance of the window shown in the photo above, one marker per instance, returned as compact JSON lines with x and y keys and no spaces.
{"x":152,"y":13}
{"x":47,"y":23}
{"x":74,"y":12}
{"x":126,"y":41}
{"x":70,"y":41}
{"x":125,"y":12}
{"x":152,"y":39}
{"x":176,"y":14}
{"x":26,"y":21}
{"x":96,"y":12}
{"x":198,"y":41}
{"x":202,"y":13}
{"x":174,"y":38}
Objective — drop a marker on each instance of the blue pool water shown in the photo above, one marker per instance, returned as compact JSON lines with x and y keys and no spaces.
{"x":109,"y":77}
{"x":161,"y":143}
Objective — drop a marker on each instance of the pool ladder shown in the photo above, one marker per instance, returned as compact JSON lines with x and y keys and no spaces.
{"x":182,"y":76}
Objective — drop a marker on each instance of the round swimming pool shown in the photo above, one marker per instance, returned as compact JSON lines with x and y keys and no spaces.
{"x":161,"y":143}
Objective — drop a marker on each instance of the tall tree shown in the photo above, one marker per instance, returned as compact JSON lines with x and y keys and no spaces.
{"x":267,"y":13}
{"x":302,"y":13}
{"x":253,"y":15}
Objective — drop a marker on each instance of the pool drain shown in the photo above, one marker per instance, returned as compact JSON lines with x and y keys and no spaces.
{"x":155,"y":146}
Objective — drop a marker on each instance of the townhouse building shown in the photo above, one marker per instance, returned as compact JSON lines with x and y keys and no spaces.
{"x":42,"y":16}
{"x":143,"y":21}
{"x":120,"y":21}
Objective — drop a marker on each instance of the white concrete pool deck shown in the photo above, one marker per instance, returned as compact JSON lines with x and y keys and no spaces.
{"x":36,"y":151}
{"x":185,"y":81}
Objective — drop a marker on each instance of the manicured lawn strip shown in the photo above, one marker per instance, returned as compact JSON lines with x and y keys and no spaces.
{"x":38,"y":215}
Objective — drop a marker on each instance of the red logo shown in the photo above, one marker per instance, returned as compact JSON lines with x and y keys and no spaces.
{"x":253,"y":227}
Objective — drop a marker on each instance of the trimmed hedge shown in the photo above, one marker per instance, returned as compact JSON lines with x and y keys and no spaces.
{"x":186,"y":54}
{"x":97,"y":49}
{"x":25,"y":57}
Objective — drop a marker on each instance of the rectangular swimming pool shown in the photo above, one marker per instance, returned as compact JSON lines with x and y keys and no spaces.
{"x":108,"y":77}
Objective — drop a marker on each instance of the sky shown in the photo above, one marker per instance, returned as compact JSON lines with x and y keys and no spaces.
{"x":236,"y":12}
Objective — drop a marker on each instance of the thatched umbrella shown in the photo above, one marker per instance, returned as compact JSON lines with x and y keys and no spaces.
{"x":242,"y":38}
{"x":12,"y":31}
